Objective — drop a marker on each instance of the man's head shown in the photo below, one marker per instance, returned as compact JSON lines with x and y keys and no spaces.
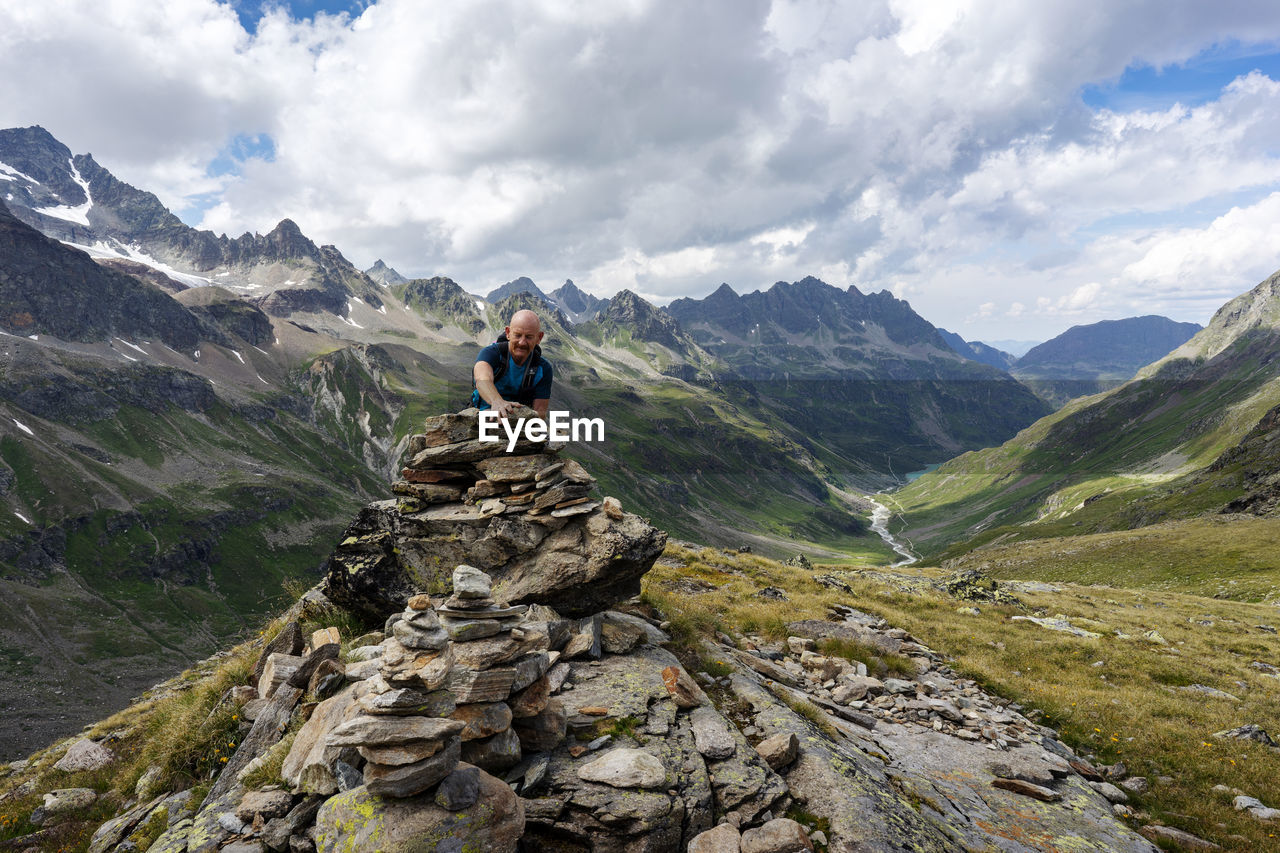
{"x":523,"y":334}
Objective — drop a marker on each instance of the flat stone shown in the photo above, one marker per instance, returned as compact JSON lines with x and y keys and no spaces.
{"x":410,"y":702}
{"x":1027,"y":789}
{"x":547,"y":472}
{"x":490,"y":685}
{"x":381,"y":731}
{"x":428,"y":670}
{"x":711,"y":734}
{"x":407,"y":780}
{"x":575,"y":473}
{"x":1111,"y":792}
{"x":448,"y":428}
{"x":63,"y":800}
{"x":466,"y":630}
{"x":400,"y":754}
{"x":625,"y":768}
{"x":487,"y":613}
{"x":487,"y":489}
{"x":289,"y":642}
{"x":427,"y":493}
{"x":324,"y":637}
{"x":277,"y":670}
{"x":1034,"y":772}
{"x":85,"y":755}
{"x":514,"y":469}
{"x":899,"y":687}
{"x":483,"y":719}
{"x":434,"y":475}
{"x":422,"y":618}
{"x":572,"y":510}
{"x":1185,"y":840}
{"x":780,"y":835}
{"x":779,"y":750}
{"x":498,"y":650}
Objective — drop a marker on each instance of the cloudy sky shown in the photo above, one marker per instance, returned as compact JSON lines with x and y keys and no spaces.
{"x":1012,"y":169}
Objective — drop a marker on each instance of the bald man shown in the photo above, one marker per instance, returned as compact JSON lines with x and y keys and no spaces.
{"x":512,"y":370}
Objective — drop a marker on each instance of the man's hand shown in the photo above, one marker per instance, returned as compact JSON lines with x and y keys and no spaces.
{"x":505,"y":408}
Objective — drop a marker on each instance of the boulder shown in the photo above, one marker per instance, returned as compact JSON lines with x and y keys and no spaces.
{"x":483,"y":720}
{"x":358,"y":821}
{"x":683,"y":689}
{"x":779,"y":750}
{"x":584,"y":567}
{"x":625,"y":768}
{"x":780,"y":835}
{"x":721,"y":839}
{"x":499,"y":752}
{"x":85,"y":755}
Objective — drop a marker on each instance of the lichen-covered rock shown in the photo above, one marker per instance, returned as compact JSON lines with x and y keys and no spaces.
{"x":357,"y":821}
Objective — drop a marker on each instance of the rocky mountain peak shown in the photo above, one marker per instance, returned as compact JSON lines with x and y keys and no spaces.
{"x":1255,"y":311}
{"x":523,"y":284}
{"x":384,"y":275}
{"x":578,"y":305}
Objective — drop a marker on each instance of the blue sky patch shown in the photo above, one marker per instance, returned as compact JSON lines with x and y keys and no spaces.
{"x":242,"y":147}
{"x":251,"y":11}
{"x":1197,"y":81}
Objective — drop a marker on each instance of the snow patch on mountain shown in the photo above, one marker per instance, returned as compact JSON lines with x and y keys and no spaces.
{"x":8,"y":173}
{"x":78,"y":213}
{"x":116,"y":249}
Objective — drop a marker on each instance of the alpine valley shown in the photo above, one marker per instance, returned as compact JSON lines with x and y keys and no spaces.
{"x":190,"y":419}
{"x":189,"y":422}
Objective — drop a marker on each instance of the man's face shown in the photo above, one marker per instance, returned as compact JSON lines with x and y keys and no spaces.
{"x":522,"y":337}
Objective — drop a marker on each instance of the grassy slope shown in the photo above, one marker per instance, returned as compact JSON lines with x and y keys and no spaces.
{"x":158,"y":557}
{"x":1122,"y":710}
{"x":1117,"y":460}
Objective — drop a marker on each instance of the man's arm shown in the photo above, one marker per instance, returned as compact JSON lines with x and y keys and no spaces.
{"x":482,"y":372}
{"x":542,"y":407}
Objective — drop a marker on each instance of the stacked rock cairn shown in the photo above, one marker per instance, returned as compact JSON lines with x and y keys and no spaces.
{"x":451,"y":682}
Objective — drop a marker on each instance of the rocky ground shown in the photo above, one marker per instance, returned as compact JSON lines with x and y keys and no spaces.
{"x":483,"y":714}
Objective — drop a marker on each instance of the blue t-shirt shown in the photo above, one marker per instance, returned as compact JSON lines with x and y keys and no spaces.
{"x":508,"y":384}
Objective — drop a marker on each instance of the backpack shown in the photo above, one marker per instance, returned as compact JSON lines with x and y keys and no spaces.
{"x":525,"y":394}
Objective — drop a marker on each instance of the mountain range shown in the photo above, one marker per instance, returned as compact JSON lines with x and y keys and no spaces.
{"x":188,"y":416}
